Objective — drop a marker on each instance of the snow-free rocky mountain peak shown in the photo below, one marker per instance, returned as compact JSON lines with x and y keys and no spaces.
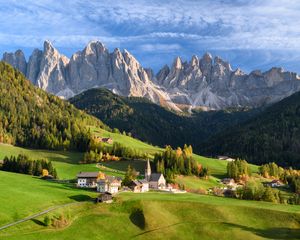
{"x":202,"y":82}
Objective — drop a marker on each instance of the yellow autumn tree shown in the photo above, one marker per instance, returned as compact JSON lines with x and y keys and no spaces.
{"x":45,"y":172}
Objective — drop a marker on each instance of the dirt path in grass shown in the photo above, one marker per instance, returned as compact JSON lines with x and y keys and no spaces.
{"x":38,"y":214}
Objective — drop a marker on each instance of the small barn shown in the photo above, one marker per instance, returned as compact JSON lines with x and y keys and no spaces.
{"x":226,"y":158}
{"x":103,"y":139}
{"x":104,"y":197}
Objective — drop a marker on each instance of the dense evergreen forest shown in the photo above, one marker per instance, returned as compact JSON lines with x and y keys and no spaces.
{"x":22,"y":164}
{"x":31,"y":117}
{"x":271,"y":136}
{"x":154,"y":124}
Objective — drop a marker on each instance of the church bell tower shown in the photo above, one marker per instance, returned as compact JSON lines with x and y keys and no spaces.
{"x":148,"y":171}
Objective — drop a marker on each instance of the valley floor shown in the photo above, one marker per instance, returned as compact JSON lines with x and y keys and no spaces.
{"x":139,"y":216}
{"x":149,"y":215}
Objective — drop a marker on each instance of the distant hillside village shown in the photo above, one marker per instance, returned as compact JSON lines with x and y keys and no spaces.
{"x":110,"y":185}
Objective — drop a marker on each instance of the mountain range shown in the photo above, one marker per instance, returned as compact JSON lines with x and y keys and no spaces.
{"x":207,"y":83}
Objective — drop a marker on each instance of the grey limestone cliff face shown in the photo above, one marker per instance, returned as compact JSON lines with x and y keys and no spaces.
{"x":17,"y":60}
{"x":212,"y":83}
{"x":33,"y":66}
{"x":201,"y":82}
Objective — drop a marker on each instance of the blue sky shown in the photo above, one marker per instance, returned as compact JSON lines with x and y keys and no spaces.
{"x":251,"y":34}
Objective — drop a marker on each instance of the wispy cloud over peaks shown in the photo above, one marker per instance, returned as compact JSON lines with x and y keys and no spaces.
{"x":152,"y":28}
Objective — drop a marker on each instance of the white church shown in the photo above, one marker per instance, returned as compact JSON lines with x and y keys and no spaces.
{"x":156,"y":180}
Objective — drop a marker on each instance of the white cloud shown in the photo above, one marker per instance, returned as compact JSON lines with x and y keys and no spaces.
{"x":169,"y":26}
{"x":249,"y":24}
{"x":159,"y":47}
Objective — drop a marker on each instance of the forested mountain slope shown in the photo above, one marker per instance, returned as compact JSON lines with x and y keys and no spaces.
{"x":33,"y":118}
{"x":273,"y":135}
{"x":153,"y":123}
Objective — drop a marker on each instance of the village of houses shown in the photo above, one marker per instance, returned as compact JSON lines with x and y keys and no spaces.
{"x":108,"y":186}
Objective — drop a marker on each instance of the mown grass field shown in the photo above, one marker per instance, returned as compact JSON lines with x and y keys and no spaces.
{"x":22,"y":195}
{"x":168,"y":216}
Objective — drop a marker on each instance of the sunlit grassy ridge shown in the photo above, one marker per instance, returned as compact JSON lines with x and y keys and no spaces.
{"x":169,"y":216}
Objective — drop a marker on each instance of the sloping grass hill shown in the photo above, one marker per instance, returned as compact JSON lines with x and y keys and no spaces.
{"x":168,"y":216}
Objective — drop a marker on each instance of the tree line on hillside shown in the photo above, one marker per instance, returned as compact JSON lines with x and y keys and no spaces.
{"x":238,"y":169}
{"x":255,"y":190}
{"x":22,"y":164}
{"x":31,"y":117}
{"x":289,"y":176}
{"x":178,"y":161}
{"x":99,"y":151}
{"x":272,"y":136}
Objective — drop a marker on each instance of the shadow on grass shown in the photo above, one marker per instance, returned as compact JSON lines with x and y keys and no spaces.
{"x":38,"y":222}
{"x":137,"y":218}
{"x":271,"y":233}
{"x":81,"y":198}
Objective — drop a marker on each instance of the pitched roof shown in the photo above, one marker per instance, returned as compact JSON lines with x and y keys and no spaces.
{"x":143,"y":181}
{"x":88,"y":174}
{"x":136,"y":183}
{"x":275,"y":181}
{"x":113,"y":178}
{"x":155,"y":177}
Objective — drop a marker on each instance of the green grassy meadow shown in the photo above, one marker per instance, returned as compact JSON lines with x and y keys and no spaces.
{"x":22,"y":195}
{"x":126,"y":140}
{"x":150,"y":215}
{"x":168,"y":216}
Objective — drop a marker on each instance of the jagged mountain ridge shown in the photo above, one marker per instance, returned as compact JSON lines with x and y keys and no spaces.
{"x":204,"y":82}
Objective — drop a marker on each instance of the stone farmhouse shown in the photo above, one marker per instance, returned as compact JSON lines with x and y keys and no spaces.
{"x":99,"y":181}
{"x":274,"y":183}
{"x":87,"y":179}
{"x":109,"y":184}
{"x":139,"y":186}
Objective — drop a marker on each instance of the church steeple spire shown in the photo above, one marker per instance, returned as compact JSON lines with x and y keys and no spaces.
{"x":148,"y":171}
